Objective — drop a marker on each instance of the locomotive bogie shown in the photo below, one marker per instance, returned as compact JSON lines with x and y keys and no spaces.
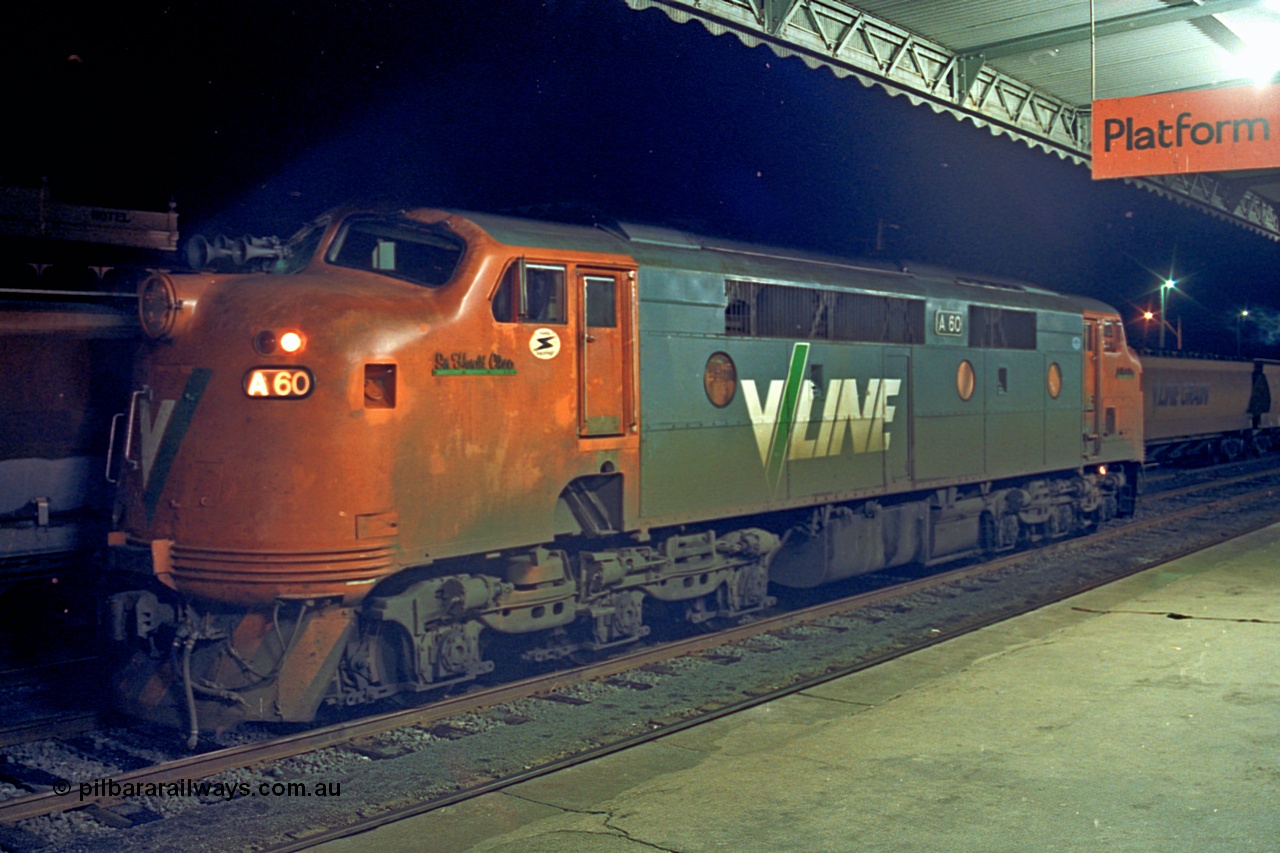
{"x":840,"y":541}
{"x":224,"y":666}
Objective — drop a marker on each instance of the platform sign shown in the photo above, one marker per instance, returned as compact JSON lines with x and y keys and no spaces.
{"x":1211,"y":130}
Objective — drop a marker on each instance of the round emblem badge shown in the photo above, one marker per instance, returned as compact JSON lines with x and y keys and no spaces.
{"x":545,"y":343}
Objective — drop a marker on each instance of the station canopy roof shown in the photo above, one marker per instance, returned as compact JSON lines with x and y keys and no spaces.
{"x":1030,"y":69}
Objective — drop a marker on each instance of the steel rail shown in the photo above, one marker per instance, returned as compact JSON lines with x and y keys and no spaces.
{"x":61,"y":724}
{"x":40,"y":728}
{"x":1226,"y":481}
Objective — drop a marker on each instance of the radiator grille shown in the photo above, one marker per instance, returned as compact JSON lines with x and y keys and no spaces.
{"x":777,"y":311}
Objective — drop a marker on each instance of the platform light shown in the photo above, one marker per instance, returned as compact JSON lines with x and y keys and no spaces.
{"x":1255,"y":65}
{"x":1165,"y":287}
{"x":1255,"y":56}
{"x":1257,"y":62}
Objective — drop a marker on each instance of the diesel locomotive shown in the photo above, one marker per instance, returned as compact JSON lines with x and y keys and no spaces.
{"x":405,"y":438}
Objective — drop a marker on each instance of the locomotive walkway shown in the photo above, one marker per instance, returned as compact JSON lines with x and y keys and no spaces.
{"x":1141,"y":716}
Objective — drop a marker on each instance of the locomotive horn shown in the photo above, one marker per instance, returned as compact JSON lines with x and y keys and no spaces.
{"x":201,"y":254}
{"x":248,"y":249}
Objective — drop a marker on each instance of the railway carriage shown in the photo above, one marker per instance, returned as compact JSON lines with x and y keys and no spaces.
{"x":415,"y":433}
{"x":1197,"y":409}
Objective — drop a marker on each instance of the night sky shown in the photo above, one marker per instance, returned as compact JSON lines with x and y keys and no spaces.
{"x":254,"y":117}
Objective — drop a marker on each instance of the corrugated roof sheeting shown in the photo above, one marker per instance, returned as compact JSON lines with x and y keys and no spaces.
{"x":1163,"y":58}
{"x":1259,"y":22}
{"x":966,"y":24}
{"x":1160,"y":59}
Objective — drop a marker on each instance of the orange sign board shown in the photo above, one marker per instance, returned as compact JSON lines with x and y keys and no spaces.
{"x":1211,"y":130}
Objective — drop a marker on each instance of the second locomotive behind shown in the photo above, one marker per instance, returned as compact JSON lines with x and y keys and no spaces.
{"x":414,"y":432}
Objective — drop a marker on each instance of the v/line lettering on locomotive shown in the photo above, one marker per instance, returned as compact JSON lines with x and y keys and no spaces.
{"x":782,"y":422}
{"x":162,"y":436}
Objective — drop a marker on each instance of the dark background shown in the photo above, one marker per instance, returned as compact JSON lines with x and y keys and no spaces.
{"x":254,"y":117}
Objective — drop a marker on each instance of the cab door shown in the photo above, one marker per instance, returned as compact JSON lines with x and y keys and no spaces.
{"x":1092,"y":423}
{"x":602,"y":353}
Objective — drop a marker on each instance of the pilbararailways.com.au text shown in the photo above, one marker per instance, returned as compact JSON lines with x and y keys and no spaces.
{"x":100,"y":788}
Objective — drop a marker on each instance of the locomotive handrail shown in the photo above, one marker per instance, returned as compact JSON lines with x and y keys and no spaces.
{"x":94,"y":294}
{"x":111,"y":446}
{"x":128,"y":439}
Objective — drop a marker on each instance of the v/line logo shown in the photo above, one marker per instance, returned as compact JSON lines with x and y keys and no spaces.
{"x":782,"y":422}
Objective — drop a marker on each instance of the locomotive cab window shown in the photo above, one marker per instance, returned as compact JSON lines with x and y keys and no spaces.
{"x":301,"y":248}
{"x":530,"y":293}
{"x":422,"y":254}
{"x":602,"y":308}
{"x":1112,"y":337}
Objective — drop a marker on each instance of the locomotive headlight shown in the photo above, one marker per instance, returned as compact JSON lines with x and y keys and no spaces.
{"x":268,"y":342}
{"x":291,"y":342}
{"x":158,"y":306}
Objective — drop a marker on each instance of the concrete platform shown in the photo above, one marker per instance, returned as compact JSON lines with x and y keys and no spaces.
{"x":1098,"y":724}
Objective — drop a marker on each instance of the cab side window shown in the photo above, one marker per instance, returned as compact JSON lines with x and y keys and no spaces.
{"x":423,"y":254}
{"x":1112,"y":337}
{"x":504,"y":298}
{"x":531,"y":293}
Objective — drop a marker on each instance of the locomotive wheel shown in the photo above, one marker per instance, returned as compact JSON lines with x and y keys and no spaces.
{"x":454,"y":652}
{"x":755,"y":586}
{"x":627,"y":617}
{"x":988,"y":537}
{"x":1053,"y":527}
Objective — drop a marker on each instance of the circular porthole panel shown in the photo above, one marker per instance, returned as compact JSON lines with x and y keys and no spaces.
{"x":720,"y":379}
{"x":966,"y":382}
{"x":1054,"y":380}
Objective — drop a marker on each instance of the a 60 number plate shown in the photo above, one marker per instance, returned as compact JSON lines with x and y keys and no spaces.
{"x":291,"y":383}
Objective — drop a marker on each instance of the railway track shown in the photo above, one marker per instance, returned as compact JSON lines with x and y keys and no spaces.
{"x":40,"y":701}
{"x":1244,"y":498}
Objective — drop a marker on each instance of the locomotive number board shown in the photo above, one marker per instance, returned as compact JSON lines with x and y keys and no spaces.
{"x":276,"y":383}
{"x":948,"y":323}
